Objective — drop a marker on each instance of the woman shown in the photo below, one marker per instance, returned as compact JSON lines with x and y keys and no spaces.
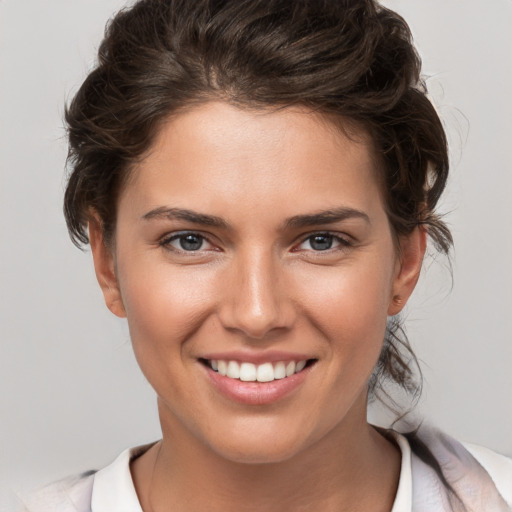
{"x":257,"y":181}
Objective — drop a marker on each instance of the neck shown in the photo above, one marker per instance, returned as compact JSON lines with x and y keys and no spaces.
{"x":352,"y":468}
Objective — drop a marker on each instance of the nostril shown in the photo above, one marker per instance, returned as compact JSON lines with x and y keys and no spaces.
{"x":257,"y":325}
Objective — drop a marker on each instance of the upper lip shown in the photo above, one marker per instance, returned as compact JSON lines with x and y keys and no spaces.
{"x":273,"y":356}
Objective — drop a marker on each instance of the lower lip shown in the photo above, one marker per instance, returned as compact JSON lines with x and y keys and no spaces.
{"x":257,"y":393}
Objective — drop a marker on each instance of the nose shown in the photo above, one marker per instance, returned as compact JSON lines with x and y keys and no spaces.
{"x":255,"y":301}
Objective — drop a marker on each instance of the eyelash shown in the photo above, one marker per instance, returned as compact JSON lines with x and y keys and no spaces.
{"x":165,"y":242}
{"x":344,"y":243}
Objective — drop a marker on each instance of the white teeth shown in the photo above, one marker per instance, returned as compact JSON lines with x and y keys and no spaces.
{"x":233,"y":370}
{"x":280,"y":371}
{"x":249,"y":372}
{"x":222,"y":367}
{"x":265,"y":373}
{"x":300,"y":366}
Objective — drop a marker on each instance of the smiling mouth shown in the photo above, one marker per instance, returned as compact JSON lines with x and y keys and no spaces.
{"x":249,"y":372}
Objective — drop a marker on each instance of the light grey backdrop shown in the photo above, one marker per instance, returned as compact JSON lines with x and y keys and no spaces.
{"x":71,"y":396}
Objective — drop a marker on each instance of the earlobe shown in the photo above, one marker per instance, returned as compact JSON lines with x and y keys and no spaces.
{"x":104,"y":266}
{"x":412,"y":250}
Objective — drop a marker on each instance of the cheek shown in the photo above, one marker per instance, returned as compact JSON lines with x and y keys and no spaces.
{"x":349,"y":305}
{"x":163,"y":307}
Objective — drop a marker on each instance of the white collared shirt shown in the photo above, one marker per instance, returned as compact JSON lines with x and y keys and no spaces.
{"x":112,"y":489}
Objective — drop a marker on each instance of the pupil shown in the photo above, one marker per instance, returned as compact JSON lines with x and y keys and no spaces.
{"x":191,"y":242}
{"x":321,"y":242}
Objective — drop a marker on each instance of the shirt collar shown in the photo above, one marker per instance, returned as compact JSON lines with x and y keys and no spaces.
{"x":114,"y":491}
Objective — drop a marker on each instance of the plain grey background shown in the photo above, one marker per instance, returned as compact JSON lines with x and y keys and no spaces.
{"x":71,"y":395}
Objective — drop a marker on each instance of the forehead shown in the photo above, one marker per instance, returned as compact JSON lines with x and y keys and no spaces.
{"x":216,"y":154}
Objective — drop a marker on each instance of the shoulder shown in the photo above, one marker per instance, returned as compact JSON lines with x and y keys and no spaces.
{"x":110,"y":488}
{"x":479,"y":477}
{"x":71,"y":494}
{"x":498,"y":466}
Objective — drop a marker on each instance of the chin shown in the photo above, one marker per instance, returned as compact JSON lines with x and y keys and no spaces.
{"x":262,"y":447}
{"x":258,"y":453}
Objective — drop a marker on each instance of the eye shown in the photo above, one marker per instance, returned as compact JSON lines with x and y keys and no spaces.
{"x":186,"y":242}
{"x":323,"y":242}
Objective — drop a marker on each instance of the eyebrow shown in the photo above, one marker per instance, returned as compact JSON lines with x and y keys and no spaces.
{"x":297,"y":221}
{"x":326,"y":217}
{"x":188,"y":215}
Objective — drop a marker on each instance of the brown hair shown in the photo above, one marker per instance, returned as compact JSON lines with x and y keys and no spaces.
{"x":353,"y":59}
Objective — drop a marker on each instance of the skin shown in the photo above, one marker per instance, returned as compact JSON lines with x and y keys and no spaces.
{"x":258,"y":284}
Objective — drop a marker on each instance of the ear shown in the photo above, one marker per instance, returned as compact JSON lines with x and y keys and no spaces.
{"x":104,"y":266}
{"x":412,"y":250}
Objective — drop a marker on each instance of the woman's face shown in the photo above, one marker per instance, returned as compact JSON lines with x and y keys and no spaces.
{"x":252,"y":243}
